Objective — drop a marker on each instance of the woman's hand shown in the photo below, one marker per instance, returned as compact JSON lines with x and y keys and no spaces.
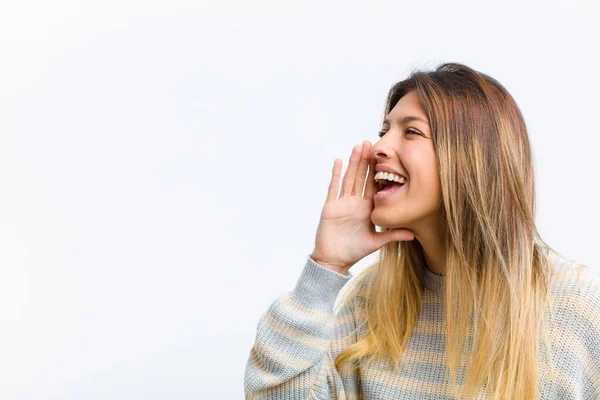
{"x":345,"y":233}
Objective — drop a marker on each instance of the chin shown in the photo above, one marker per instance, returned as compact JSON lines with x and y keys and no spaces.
{"x":387,"y":222}
{"x":386,"y":219}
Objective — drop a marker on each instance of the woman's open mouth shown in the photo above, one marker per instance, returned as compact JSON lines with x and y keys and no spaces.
{"x":388,"y":190}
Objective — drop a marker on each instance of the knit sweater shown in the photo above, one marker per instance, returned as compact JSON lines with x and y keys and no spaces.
{"x":300,"y":335}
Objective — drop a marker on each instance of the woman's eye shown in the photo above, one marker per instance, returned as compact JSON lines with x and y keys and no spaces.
{"x":381,"y":133}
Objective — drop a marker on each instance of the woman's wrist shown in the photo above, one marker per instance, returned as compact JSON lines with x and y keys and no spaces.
{"x":333,"y":267}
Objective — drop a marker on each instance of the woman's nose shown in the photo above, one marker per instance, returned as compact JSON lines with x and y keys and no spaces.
{"x":381,"y":150}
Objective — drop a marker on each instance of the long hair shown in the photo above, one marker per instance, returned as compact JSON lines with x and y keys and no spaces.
{"x":497,"y":272}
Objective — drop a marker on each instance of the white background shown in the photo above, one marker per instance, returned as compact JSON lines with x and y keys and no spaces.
{"x":163,"y":166}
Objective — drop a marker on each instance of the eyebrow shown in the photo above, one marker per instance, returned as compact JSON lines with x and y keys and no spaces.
{"x":406,"y":120}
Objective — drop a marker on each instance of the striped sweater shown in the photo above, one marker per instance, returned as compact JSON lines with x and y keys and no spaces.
{"x":300,"y":335}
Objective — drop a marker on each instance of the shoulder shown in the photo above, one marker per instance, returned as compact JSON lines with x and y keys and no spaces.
{"x":574,"y":285}
{"x":574,"y":293}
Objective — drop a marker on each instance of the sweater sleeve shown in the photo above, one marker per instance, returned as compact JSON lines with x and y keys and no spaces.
{"x":298,"y":338}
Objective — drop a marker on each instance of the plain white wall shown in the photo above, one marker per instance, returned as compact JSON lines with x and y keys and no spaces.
{"x":163,"y":166}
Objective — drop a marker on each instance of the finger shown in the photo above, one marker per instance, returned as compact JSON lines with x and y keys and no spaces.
{"x":348,"y":182}
{"x":371,"y":187}
{"x":334,"y":183}
{"x":359,"y":180}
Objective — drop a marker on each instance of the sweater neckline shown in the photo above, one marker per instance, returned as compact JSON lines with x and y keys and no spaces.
{"x":433,"y":281}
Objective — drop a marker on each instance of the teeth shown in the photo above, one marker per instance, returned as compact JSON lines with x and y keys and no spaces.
{"x":382,"y":176}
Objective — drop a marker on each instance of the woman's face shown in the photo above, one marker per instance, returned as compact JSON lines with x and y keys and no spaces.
{"x":406,"y":147}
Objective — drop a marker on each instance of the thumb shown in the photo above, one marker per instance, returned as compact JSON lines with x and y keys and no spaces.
{"x":396,"y":235}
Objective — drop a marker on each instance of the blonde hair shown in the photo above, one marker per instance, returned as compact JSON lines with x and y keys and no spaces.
{"x":494,"y":253}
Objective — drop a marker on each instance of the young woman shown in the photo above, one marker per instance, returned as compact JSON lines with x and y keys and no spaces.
{"x":466,"y":300}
